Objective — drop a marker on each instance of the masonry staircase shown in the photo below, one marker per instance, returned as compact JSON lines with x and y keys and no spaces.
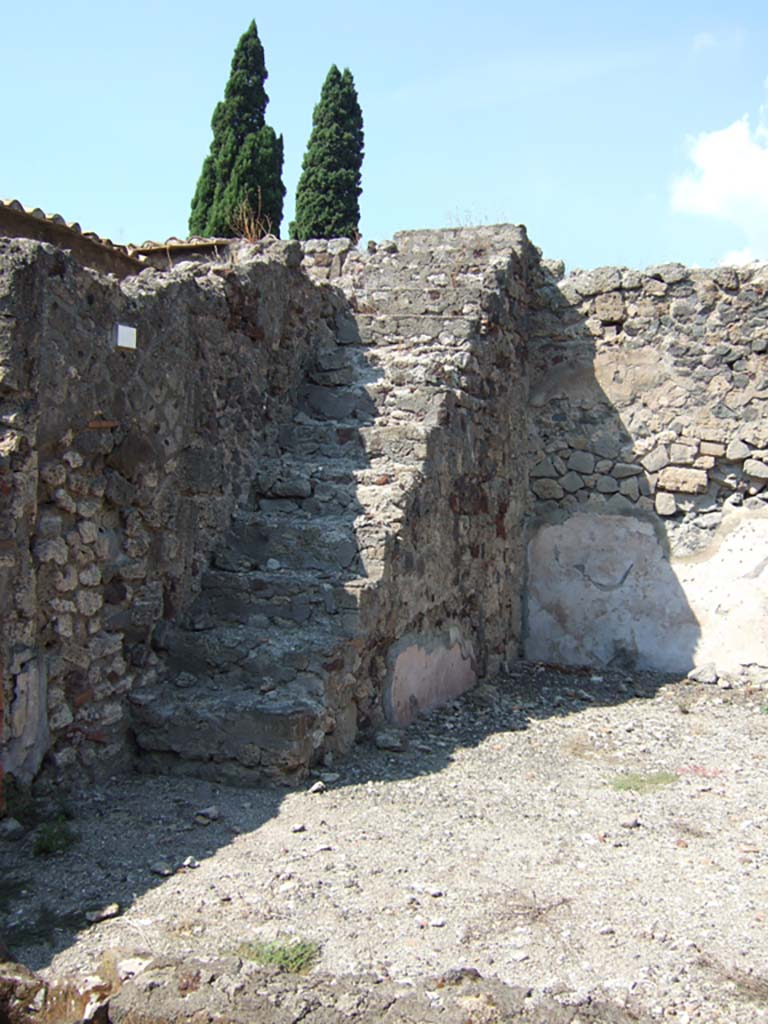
{"x":262,"y":674}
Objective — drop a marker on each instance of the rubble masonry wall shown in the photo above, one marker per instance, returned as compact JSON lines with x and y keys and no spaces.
{"x":120,"y":469}
{"x":633,"y":473}
{"x":648,"y":538}
{"x":124,"y":468}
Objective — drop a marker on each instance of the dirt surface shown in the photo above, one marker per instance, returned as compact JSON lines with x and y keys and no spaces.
{"x":240,"y":993}
{"x":499,"y":840}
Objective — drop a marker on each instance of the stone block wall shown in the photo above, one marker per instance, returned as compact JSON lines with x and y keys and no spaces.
{"x":331,"y":485}
{"x":360,"y":415}
{"x":447,"y":314}
{"x":649,"y":463}
{"x":377,"y":569}
{"x":120,"y":469}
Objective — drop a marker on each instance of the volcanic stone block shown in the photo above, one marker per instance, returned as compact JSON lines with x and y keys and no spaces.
{"x":685,"y":481}
{"x":756,"y":469}
{"x":610,"y":307}
{"x":582,"y":462}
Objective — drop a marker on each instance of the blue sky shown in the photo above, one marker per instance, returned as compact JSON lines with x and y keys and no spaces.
{"x":629,"y":134}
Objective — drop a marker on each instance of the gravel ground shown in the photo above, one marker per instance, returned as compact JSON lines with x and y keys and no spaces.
{"x":497,"y":840}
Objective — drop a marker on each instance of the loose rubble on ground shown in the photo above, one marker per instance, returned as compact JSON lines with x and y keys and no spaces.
{"x":572,"y":846}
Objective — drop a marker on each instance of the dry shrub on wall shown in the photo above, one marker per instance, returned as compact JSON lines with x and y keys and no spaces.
{"x":251,"y":224}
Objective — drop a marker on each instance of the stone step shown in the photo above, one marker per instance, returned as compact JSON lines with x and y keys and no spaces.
{"x":403,"y":408}
{"x":298,"y":475}
{"x":255,"y":654}
{"x":342,"y":365}
{"x":308,"y":486}
{"x":343,"y":404}
{"x":403,"y":442}
{"x":294,"y":466}
{"x":309,"y":436}
{"x":328,"y":544}
{"x":330,"y":547}
{"x":421,"y":275}
{"x":415,"y":330}
{"x":430,"y":301}
{"x":228,"y":735}
{"x":366,"y":443}
{"x":281,"y":597}
{"x":469,"y":246}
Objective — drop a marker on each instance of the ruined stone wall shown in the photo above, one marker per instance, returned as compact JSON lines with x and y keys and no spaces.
{"x":377,"y":570}
{"x":649,"y":462}
{"x":296,"y":506}
{"x":447,"y":317}
{"x":120,"y":469}
{"x":305,"y":500}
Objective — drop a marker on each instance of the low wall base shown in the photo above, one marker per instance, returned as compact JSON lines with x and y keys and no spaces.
{"x":602,"y":591}
{"x":425,"y":672}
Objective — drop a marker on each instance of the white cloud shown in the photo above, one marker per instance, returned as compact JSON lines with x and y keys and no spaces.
{"x":739,"y":258}
{"x":729,"y":181}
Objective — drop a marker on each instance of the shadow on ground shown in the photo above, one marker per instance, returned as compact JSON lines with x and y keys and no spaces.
{"x":136,"y":832}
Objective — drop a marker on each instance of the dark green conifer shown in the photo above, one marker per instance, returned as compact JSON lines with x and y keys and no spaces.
{"x":327,"y":197}
{"x":240,"y":189}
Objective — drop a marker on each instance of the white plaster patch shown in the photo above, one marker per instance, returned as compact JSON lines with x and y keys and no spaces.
{"x":727,"y":589}
{"x":601,"y":590}
{"x":425,"y":672}
{"x":27,"y":741}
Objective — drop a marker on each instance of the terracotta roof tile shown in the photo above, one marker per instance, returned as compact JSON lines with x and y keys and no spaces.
{"x":100,"y":252}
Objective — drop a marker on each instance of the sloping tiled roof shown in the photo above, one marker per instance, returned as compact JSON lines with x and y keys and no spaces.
{"x":55,"y":218}
{"x":177,"y":247}
{"x":19,"y":221}
{"x":195,"y":242}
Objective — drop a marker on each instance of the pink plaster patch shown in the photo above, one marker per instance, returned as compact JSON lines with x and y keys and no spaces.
{"x":425,"y":677}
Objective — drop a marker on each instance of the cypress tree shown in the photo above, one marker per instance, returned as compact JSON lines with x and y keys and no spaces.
{"x":241,"y":179}
{"x":327,"y":197}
